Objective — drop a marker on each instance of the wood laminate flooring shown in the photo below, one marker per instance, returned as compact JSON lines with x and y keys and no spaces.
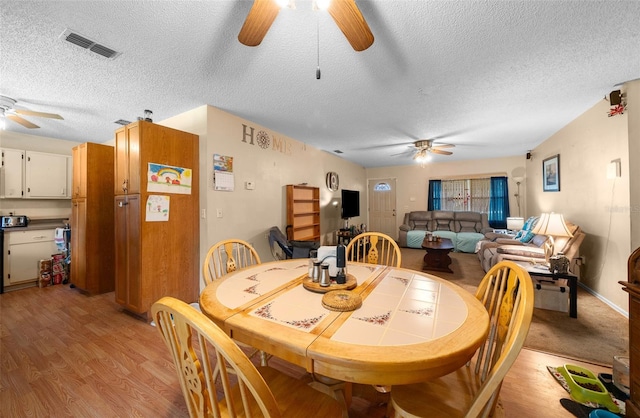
{"x":63,"y":353}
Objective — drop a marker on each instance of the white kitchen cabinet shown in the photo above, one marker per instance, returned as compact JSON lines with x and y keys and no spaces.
{"x":12,"y":174}
{"x":23,"y":250}
{"x":46,"y":176}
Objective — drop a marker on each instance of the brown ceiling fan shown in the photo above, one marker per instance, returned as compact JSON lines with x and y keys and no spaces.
{"x":7,"y":110}
{"x":344,"y":12}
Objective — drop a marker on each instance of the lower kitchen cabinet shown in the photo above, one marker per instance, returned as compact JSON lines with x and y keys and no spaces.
{"x":23,"y":250}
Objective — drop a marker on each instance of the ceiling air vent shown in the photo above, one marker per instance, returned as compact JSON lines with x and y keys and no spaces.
{"x":86,"y":43}
{"x":122,"y":122}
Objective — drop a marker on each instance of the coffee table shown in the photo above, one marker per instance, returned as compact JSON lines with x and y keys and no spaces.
{"x":437,"y":256}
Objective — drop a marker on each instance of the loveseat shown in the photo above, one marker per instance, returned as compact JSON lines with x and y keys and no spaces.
{"x":528,"y":247}
{"x":464,"y":229}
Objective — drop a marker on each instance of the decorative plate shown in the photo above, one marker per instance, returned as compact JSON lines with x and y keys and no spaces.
{"x":333,"y":183}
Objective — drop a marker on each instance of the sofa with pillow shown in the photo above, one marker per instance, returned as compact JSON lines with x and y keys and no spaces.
{"x":464,"y":229}
{"x":527,"y":246}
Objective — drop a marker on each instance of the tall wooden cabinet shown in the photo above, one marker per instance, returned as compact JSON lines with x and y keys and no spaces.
{"x":632,"y":286}
{"x":156,"y":256}
{"x":92,"y":232}
{"x":303,"y":212}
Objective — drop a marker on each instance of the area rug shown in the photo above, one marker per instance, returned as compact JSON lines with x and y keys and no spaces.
{"x":596,"y":335}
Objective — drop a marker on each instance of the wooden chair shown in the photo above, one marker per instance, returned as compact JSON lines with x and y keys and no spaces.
{"x":218,"y":379}
{"x":226,"y":256}
{"x":374,"y":248}
{"x":472,"y":391}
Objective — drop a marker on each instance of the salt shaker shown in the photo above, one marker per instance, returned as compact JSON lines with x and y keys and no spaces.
{"x":315,"y":275}
{"x":313,"y":255}
{"x":325,"y":279}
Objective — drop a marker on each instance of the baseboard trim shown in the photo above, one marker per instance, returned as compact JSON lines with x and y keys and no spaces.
{"x":605,"y":300}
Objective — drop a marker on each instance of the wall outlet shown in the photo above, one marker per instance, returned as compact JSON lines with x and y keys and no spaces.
{"x":219,"y":213}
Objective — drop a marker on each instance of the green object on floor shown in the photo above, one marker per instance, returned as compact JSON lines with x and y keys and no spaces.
{"x":584,"y":386}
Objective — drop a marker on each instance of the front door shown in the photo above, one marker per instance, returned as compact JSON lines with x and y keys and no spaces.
{"x":382,"y":206}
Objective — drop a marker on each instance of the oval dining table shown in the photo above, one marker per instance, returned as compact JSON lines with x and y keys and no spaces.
{"x":411,"y":327}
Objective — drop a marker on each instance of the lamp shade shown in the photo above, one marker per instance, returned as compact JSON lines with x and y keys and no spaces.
{"x":515,"y":223}
{"x":552,"y":224}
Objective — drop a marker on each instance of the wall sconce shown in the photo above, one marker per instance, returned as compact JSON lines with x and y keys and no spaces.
{"x":518,"y":181}
{"x":335,"y":203}
{"x":613,"y":169}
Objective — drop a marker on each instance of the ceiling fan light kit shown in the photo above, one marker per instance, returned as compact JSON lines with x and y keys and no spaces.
{"x":426,"y":146}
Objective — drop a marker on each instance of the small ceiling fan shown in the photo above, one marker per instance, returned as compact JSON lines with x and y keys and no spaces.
{"x":7,"y":110}
{"x":425,"y":146}
{"x":344,"y":12}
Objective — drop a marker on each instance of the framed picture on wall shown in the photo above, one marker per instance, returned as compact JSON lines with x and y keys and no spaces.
{"x":551,"y":174}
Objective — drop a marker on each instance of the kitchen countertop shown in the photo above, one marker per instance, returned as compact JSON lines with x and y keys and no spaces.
{"x":41,"y":223}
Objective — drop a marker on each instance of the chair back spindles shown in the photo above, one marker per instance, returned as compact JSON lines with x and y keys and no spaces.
{"x":218,"y":379}
{"x":227,"y":256}
{"x":374,"y":248}
{"x":193,"y":341}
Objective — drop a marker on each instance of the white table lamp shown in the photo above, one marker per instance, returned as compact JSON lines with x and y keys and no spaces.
{"x":515,"y":223}
{"x":552,"y":225}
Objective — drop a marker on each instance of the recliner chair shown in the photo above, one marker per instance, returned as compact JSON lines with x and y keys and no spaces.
{"x":282,"y":248}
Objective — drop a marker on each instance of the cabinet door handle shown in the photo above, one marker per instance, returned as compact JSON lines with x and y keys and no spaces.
{"x":122,"y":204}
{"x":40,"y":237}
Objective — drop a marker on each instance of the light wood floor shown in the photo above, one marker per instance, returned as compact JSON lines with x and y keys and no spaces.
{"x":66,"y":354}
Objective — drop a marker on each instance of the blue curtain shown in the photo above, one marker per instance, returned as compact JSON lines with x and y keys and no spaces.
{"x":433,"y":199}
{"x":498,"y":203}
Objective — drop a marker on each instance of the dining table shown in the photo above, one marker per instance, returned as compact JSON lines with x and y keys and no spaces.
{"x":410,"y":326}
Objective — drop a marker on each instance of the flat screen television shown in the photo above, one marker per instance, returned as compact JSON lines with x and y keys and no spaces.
{"x":350,"y":203}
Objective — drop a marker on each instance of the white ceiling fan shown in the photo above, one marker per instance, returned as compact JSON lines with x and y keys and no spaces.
{"x":8,"y":111}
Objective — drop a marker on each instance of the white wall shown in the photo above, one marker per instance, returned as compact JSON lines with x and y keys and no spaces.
{"x":600,"y":206}
{"x":248,"y":214}
{"x":412,"y":181}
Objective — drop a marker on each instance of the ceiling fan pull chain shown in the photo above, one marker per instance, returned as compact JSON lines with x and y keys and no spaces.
{"x":318,"y":46}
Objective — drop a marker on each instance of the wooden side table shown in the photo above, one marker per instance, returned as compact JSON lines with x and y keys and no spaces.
{"x":344,"y":236}
{"x":437,"y":256}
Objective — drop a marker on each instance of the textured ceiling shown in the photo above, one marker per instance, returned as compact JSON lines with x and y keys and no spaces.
{"x":495,"y":78}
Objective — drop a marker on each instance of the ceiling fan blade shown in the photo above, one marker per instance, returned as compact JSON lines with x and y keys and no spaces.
{"x":402,"y":153}
{"x":22,"y":121}
{"x":351,"y":22}
{"x":39,"y":114}
{"x":439,"y":151}
{"x":443,"y":145}
{"x":258,"y":22}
